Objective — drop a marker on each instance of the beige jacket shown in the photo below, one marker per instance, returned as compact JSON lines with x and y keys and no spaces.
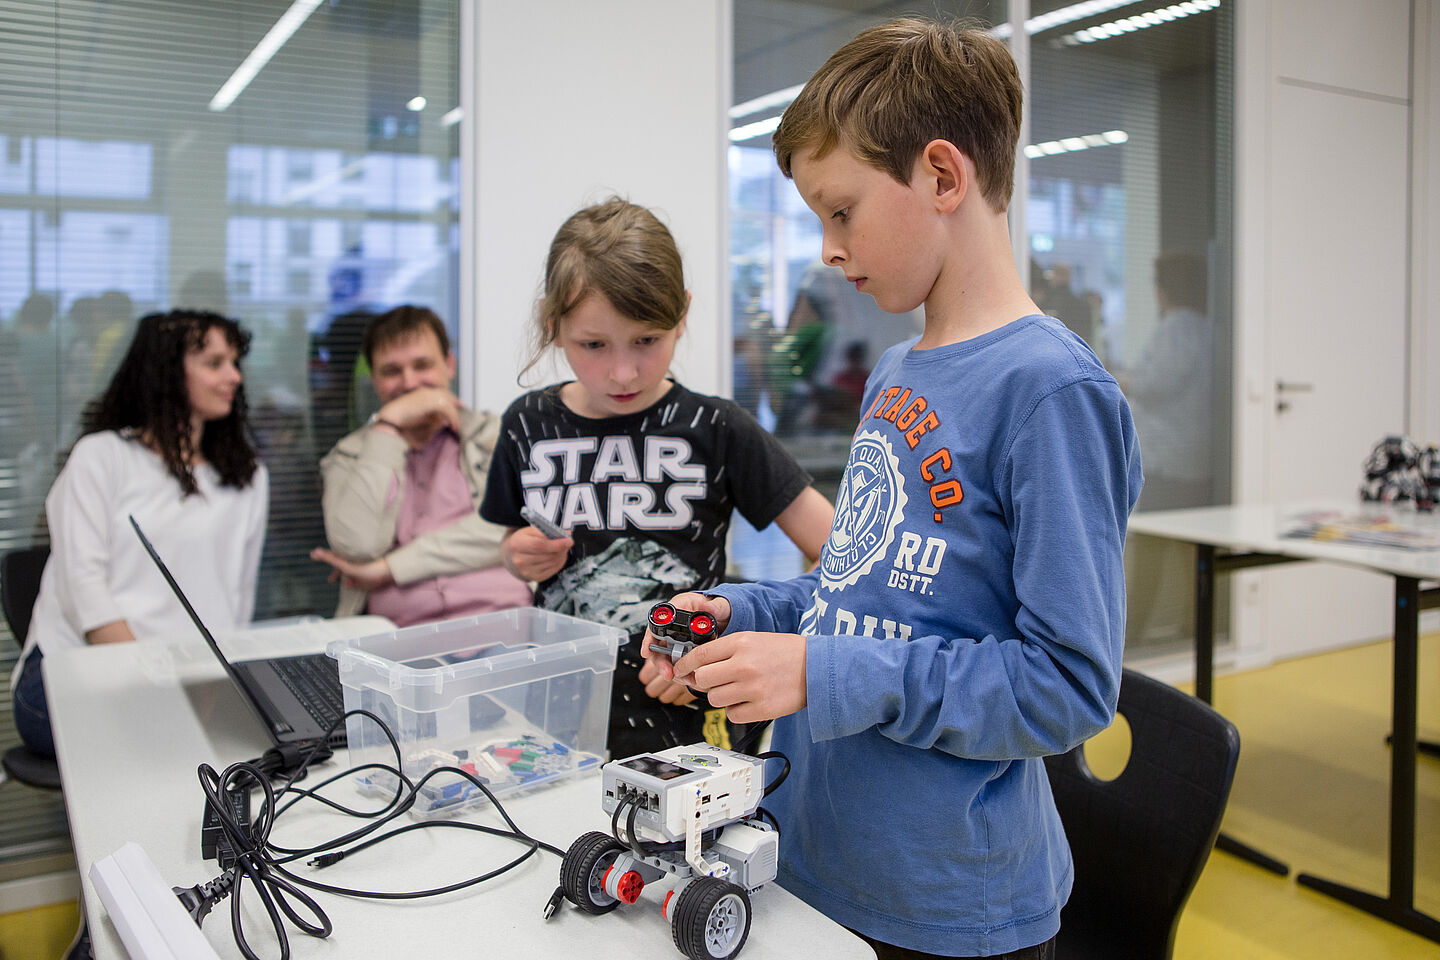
{"x":357,"y":475}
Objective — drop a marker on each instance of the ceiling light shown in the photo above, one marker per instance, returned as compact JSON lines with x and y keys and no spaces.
{"x":268,"y":46}
{"x":1140,"y":21}
{"x":1051,"y":148}
{"x":451,"y":117}
{"x":778,"y":98}
{"x":749,"y":131}
{"x":1046,"y":21}
{"x":415,"y":104}
{"x":1056,"y":18}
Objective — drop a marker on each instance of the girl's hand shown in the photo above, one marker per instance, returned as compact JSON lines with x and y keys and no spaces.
{"x":530,"y":555}
{"x":661,"y":688}
{"x":755,"y":676}
{"x":717,"y":607}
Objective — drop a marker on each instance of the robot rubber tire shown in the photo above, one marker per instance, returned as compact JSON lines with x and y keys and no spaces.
{"x":711,"y":919}
{"x":582,"y":872}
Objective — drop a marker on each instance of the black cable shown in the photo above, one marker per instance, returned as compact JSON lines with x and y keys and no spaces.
{"x":615,"y":821}
{"x":636,"y":844}
{"x":250,"y":863}
{"x":775,"y":784}
{"x":263,"y":862}
{"x":752,"y":737}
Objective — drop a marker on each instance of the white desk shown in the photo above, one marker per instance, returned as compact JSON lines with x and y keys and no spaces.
{"x":131,"y":726}
{"x":1234,"y":538}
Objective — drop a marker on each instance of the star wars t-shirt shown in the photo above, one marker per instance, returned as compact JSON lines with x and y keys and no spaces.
{"x":647,"y":498}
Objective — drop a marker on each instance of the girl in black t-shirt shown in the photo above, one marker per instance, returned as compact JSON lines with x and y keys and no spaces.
{"x":642,"y":473}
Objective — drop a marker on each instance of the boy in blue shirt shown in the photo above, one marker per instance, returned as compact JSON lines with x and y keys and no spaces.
{"x":967,"y":616}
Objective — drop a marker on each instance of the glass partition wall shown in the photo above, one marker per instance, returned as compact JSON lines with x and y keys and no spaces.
{"x":1127,"y":237}
{"x":1129,"y":229}
{"x":291,"y":164}
{"x":803,"y":338}
{"x":295,"y":164}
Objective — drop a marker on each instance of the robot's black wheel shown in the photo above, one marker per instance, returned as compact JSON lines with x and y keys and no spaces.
{"x":711,"y":919}
{"x":582,"y":872}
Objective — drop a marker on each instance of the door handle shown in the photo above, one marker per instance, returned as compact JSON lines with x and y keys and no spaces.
{"x":1283,"y":387}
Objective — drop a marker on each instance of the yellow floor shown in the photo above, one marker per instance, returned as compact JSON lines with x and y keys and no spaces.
{"x":40,"y":934}
{"x":1312,"y":788}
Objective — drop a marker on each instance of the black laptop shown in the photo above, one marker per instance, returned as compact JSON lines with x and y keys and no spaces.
{"x":296,"y":698}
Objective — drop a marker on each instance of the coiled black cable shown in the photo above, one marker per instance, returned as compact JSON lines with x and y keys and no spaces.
{"x":264,"y":863}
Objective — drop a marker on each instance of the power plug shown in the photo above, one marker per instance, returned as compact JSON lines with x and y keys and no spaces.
{"x":148,"y":916}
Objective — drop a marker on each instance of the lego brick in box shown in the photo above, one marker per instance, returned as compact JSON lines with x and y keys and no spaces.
{"x":515,"y":698}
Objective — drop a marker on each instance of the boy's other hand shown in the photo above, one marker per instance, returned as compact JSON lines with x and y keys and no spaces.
{"x":717,"y":607}
{"x":530,"y":555}
{"x":754,"y":676}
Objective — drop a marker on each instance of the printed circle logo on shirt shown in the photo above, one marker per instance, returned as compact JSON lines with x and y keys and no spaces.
{"x":868,"y":507}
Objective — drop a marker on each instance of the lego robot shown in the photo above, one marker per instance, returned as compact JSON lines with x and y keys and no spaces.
{"x":1397,"y":469}
{"x":690,"y":812}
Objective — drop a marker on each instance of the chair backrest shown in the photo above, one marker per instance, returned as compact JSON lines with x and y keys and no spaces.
{"x":1140,"y":840}
{"x":20,"y":572}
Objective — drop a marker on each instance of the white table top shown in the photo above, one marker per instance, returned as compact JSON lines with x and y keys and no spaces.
{"x":132,"y":723}
{"x":1261,"y":527}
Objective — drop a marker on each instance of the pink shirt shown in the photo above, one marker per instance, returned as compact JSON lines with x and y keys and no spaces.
{"x":436,"y":495}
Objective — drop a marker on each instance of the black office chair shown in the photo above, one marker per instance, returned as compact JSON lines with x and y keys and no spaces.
{"x":1141,"y":839}
{"x":20,"y":572}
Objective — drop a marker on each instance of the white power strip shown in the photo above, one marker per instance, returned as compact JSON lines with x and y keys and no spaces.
{"x":145,"y":910}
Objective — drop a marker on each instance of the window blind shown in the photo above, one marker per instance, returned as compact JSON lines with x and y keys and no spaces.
{"x":322,"y":191}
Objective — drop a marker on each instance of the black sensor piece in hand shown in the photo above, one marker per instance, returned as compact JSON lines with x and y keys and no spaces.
{"x":676,"y":631}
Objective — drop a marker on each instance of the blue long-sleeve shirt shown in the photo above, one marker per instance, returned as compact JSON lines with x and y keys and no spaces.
{"x":967,"y":618}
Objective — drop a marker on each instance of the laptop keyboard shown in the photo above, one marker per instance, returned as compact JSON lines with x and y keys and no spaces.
{"x":315,"y":683}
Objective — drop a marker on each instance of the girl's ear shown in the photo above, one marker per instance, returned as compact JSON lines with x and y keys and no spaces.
{"x":951,"y":172}
{"x":680,"y":327}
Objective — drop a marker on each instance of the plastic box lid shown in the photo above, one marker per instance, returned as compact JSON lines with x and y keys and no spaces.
{"x":429,"y":666}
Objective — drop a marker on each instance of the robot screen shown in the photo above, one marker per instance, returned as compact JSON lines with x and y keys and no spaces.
{"x":655,"y":767}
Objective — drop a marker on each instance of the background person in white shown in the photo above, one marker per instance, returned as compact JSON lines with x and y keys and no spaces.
{"x":402,"y":493}
{"x":167,"y":442}
{"x":1171,"y":388}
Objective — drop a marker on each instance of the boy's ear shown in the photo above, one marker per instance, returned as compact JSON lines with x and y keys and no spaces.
{"x":951,"y":172}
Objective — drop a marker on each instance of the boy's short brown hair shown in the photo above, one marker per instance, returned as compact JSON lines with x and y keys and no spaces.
{"x":898,"y":86}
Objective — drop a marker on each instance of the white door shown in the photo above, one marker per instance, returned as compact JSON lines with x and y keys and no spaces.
{"x":1336,"y":249}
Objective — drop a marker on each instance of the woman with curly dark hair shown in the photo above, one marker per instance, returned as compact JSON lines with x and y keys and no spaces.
{"x":168,"y":442}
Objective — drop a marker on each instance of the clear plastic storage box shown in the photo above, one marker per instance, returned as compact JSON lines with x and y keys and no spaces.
{"x":516,"y":698}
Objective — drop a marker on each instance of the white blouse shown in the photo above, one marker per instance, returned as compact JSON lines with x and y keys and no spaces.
{"x":99,"y":572}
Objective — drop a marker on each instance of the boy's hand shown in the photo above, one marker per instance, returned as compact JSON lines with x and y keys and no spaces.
{"x":755,"y":676}
{"x":530,"y":555}
{"x":717,"y":607}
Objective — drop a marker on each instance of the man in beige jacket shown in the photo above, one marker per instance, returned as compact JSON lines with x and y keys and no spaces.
{"x":401,"y":493}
